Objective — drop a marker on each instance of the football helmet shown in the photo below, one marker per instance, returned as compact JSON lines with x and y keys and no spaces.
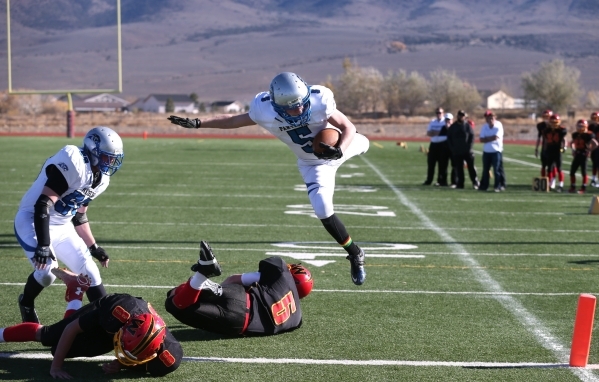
{"x":554,"y":121}
{"x":547,"y":114}
{"x":289,"y":91}
{"x":582,"y":125}
{"x":139,"y":340}
{"x":595,"y":117}
{"x":104,"y":148}
{"x":303,"y":279}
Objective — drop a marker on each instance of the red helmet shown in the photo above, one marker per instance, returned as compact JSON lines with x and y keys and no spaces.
{"x":303,"y":279}
{"x":555,"y":120}
{"x":139,"y":340}
{"x":547,"y":114}
{"x":582,"y":125}
{"x":595,"y":117}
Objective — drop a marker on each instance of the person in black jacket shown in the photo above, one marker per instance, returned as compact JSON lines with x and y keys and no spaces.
{"x":460,"y":138}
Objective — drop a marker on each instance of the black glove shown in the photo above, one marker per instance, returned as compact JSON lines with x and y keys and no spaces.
{"x":99,"y":253}
{"x":185,"y":122}
{"x":329,"y":152}
{"x":42,"y":253}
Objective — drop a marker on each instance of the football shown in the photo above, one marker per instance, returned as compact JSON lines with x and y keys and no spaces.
{"x":328,"y":135}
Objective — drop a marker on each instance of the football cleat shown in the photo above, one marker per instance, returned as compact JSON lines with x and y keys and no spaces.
{"x":572,"y":190}
{"x":560,"y":189}
{"x":358,"y":273}
{"x":76,"y":284}
{"x":207,"y":263}
{"x":28,"y":313}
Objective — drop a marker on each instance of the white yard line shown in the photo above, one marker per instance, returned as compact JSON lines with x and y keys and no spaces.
{"x":301,"y":361}
{"x":527,"y":319}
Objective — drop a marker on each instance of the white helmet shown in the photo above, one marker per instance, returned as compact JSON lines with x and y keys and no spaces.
{"x":289,"y":91}
{"x":104,"y":148}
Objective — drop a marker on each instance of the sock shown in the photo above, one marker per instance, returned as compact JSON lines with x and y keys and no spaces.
{"x":186,"y":295}
{"x":337,"y":230}
{"x":585,"y":179}
{"x":31,"y":291}
{"x":561,"y":178}
{"x":24,"y":332}
{"x":572,"y":180}
{"x":95,"y":292}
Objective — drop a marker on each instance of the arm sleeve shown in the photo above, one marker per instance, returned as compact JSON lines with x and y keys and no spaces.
{"x":56,"y":180}
{"x":248,"y":279}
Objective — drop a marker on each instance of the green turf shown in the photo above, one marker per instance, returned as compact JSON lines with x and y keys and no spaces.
{"x":489,"y":262}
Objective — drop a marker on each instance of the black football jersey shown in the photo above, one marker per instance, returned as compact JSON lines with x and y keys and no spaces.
{"x":275,"y":303}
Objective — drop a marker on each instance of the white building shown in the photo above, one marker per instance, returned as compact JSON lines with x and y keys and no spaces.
{"x":501,"y":100}
{"x":226,"y":107}
{"x":156,"y":103}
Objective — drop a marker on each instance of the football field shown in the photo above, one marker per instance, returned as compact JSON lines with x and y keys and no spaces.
{"x":461,"y":285}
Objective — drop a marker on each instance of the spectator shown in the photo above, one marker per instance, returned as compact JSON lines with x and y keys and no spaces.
{"x":460,"y":139}
{"x":491,"y":134}
{"x":438,"y":152}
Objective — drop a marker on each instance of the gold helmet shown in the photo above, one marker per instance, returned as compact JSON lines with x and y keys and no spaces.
{"x":139,"y":340}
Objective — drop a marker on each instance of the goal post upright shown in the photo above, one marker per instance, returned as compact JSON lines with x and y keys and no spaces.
{"x":68,"y":92}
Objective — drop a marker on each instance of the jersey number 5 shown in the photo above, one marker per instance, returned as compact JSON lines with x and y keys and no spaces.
{"x":298,"y":136}
{"x":283,"y":309}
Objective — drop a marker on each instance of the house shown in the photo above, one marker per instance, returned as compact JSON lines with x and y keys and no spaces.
{"x":502,"y":100}
{"x":103,"y":102}
{"x":156,"y":103}
{"x":227,"y":107}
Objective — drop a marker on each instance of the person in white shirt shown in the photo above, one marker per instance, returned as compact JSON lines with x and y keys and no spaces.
{"x":438,"y":151}
{"x":295,"y":112}
{"x":491,"y":134}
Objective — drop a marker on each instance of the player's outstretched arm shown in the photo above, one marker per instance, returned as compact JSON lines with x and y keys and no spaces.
{"x":62,"y":349}
{"x":222,"y":121}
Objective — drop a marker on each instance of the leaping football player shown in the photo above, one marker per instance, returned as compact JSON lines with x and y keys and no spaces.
{"x":295,"y":112}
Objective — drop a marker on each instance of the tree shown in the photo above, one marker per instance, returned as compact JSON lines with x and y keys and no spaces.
{"x":196,"y":101}
{"x":402,"y":92}
{"x":447,"y":90}
{"x":359,"y":89}
{"x":554,"y":86}
{"x":170,"y":106}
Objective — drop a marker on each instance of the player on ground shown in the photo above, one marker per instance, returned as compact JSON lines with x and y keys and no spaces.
{"x":583,"y":144}
{"x":52,"y":222}
{"x":295,"y":112}
{"x":127,"y":325}
{"x":594,"y":128}
{"x":265,"y":302}
{"x":555,"y":143}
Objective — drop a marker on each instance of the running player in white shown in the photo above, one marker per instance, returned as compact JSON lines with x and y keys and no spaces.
{"x":295,"y":112}
{"x":52,"y":219}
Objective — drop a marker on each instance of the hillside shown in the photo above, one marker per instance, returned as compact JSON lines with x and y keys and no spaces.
{"x":230,"y":49}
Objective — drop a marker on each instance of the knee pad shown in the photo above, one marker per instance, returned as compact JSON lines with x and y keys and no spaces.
{"x":44,"y":276}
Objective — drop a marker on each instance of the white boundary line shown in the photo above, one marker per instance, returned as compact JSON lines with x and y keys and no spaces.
{"x":304,"y":361}
{"x":527,"y":319}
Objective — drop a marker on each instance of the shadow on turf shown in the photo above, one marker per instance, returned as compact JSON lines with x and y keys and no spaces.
{"x":185,"y":333}
{"x":584,"y":262}
{"x":12,"y":369}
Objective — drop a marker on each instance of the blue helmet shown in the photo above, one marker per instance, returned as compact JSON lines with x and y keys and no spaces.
{"x":289,"y":91}
{"x":104,"y":148}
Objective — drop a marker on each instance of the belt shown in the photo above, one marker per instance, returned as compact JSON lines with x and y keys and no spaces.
{"x":247,"y":313}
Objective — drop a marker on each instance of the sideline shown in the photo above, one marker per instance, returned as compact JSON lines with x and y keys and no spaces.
{"x":533,"y":325}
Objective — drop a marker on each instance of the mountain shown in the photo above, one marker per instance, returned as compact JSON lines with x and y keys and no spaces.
{"x":231,"y":49}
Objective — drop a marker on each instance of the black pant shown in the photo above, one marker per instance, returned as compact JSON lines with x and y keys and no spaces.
{"x":438,"y":152}
{"x":458,"y":163}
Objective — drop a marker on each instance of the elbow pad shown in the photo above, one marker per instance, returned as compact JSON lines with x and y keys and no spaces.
{"x":79,"y":219}
{"x":41,"y":219}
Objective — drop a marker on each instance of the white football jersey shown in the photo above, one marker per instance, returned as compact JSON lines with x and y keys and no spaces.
{"x":299,"y":139}
{"x":77,"y":171}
